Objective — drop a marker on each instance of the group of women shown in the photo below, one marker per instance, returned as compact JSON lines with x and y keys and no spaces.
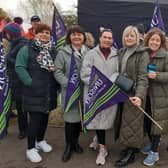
{"x":149,"y":91}
{"x":37,"y":64}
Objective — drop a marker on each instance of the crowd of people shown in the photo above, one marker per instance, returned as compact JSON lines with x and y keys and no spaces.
{"x":37,"y":72}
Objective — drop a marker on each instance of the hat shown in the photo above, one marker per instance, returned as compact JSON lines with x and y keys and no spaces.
{"x":18,"y":20}
{"x":13,"y":30}
{"x":35,"y":18}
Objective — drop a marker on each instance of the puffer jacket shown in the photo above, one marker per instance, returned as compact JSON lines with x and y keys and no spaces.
{"x":158,"y":93}
{"x":129,"y":120}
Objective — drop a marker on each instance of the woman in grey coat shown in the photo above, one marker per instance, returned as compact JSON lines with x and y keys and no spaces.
{"x":74,"y":42}
{"x":104,"y":58}
{"x":157,"y":95}
{"x":133,"y":61}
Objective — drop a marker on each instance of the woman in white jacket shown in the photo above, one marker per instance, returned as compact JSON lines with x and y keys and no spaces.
{"x":104,"y":58}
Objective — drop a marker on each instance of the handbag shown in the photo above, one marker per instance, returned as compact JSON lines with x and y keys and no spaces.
{"x":124,"y":83}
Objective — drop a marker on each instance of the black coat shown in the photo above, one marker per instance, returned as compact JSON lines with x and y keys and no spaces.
{"x":14,"y":82}
{"x":41,"y":96}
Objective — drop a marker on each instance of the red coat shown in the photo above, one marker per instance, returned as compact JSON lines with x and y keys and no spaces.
{"x":30,"y":34}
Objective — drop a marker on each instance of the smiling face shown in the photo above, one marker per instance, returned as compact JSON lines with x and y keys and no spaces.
{"x":130,"y":39}
{"x":106,"y":40}
{"x":44,"y":36}
{"x":77,"y":39}
{"x":154,"y":42}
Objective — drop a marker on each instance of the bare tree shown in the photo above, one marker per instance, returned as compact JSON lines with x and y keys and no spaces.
{"x":42,"y":8}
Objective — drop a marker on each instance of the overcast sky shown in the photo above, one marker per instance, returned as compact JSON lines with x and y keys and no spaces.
{"x":12,"y":4}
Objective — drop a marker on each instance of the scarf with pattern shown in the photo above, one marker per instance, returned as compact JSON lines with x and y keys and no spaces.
{"x":44,"y":58}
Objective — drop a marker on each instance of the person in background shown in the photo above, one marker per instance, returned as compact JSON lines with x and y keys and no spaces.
{"x":133,"y":60}
{"x":12,"y":32}
{"x":157,"y":95}
{"x":90,"y":41}
{"x":75,"y":41}
{"x":35,"y":20}
{"x":141,"y":31}
{"x":104,"y":58}
{"x":19,"y":21}
{"x":35,"y":67}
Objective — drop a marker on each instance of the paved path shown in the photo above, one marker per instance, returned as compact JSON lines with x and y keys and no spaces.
{"x":12,"y":152}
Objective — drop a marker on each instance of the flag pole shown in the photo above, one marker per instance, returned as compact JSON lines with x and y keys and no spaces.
{"x":81,"y":116}
{"x":156,"y":123}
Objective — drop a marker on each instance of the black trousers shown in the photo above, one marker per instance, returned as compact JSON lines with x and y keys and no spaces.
{"x":101,"y":136}
{"x":72,"y":133}
{"x":155,"y":139}
{"x":22,"y":117}
{"x":36,"y":128}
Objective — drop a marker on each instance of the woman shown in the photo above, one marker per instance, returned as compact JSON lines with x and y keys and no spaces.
{"x":35,"y":67}
{"x":12,"y":33}
{"x":75,"y":41}
{"x":103,"y":56}
{"x":133,"y":64}
{"x":157,"y":95}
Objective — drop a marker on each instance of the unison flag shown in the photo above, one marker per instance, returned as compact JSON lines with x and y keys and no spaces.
{"x":73,"y":86}
{"x":157,"y":20}
{"x":58,"y":29}
{"x":5,"y":94}
{"x":102,"y":94}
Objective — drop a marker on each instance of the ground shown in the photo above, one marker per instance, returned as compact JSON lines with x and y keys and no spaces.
{"x":12,"y":151}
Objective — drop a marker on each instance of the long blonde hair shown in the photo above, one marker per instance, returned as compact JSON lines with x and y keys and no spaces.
{"x":128,"y":30}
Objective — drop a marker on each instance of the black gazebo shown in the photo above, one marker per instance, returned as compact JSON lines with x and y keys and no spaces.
{"x":117,"y":14}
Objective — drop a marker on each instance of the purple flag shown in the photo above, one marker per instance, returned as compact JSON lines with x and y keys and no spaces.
{"x":5,"y":94}
{"x":115,"y":45}
{"x":102,"y":94}
{"x":58,"y":29}
{"x":157,"y":20}
{"x":73,"y":86}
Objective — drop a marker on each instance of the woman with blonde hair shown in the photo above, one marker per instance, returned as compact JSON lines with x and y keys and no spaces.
{"x":133,"y":61}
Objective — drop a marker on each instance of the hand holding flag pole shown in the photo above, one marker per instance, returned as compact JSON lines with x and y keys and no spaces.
{"x":137,"y":102}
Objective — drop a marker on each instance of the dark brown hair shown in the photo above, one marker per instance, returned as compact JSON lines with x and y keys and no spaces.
{"x":40,"y":27}
{"x":151,"y":33}
{"x":73,"y":29}
{"x":105,"y":30}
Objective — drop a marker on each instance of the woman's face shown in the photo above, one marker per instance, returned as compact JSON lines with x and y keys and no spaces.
{"x":44,"y":36}
{"x":154,"y":42}
{"x":130,"y":39}
{"x":77,"y":39}
{"x":106,"y":40}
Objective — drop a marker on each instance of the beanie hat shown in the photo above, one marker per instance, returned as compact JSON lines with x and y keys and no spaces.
{"x":35,"y":19}
{"x":18,"y":20}
{"x":13,"y":30}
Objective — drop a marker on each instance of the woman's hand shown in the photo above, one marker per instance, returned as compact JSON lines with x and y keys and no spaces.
{"x":152,"y":75}
{"x":136,"y":101}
